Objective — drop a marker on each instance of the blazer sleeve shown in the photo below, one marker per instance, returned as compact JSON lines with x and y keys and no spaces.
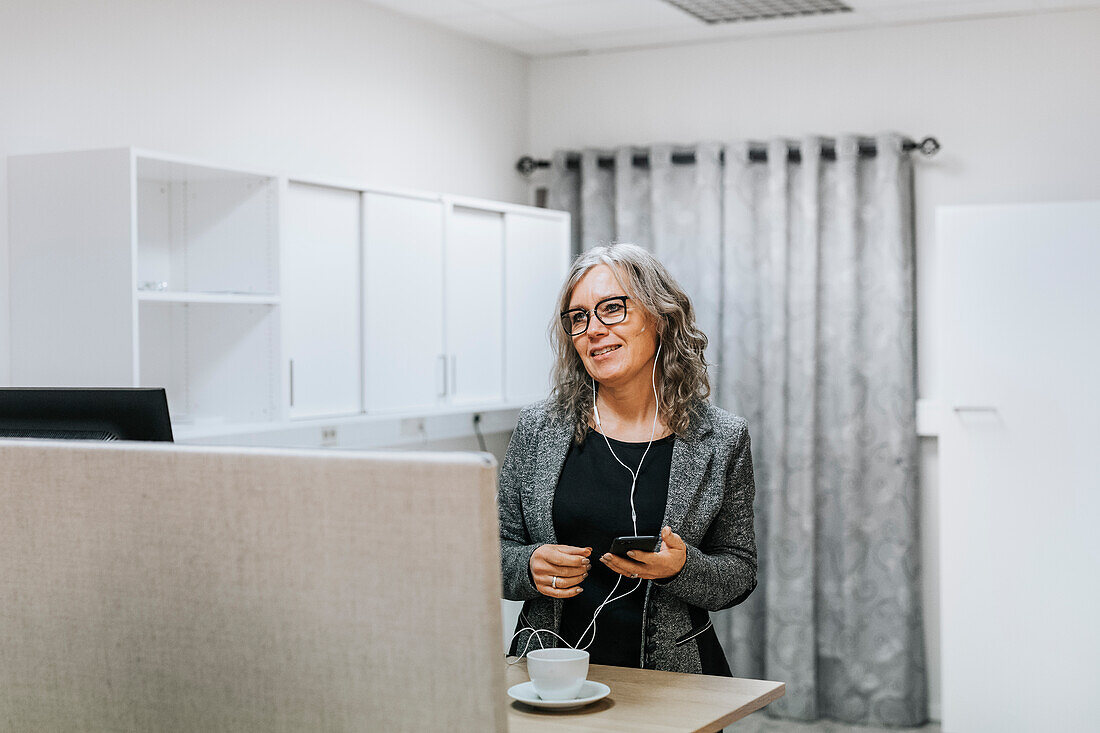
{"x":721,"y":572}
{"x":516,"y":545}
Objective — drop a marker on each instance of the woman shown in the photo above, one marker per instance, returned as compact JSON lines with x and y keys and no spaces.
{"x":627,"y":445}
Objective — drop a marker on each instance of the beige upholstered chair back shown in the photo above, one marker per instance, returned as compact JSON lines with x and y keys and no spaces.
{"x":167,"y":588}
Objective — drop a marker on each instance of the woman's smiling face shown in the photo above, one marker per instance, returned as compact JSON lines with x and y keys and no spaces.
{"x":618,"y":354}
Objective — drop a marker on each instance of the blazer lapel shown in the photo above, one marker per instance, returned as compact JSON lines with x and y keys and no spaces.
{"x":553,"y":446}
{"x":690,"y":457}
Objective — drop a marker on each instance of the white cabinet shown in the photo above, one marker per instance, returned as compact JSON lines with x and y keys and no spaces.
{"x":136,"y":269}
{"x":403,"y":357}
{"x":254,"y":298}
{"x":322,"y":309}
{"x":72,"y":248}
{"x":536,"y":261}
{"x":474,"y":313}
{"x":458,"y":295}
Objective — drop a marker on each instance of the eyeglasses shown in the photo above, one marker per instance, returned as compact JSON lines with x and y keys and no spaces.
{"x":609,"y":310}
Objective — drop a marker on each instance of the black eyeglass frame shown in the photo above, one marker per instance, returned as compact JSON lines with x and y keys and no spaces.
{"x":589,"y":313}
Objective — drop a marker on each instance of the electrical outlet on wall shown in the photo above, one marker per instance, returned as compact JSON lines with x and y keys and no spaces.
{"x":328,"y":436}
{"x":413,"y":427}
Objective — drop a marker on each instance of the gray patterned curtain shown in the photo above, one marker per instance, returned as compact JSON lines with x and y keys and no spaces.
{"x":803,"y":278}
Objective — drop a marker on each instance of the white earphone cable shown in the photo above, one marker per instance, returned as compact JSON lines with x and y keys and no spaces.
{"x":611,"y":597}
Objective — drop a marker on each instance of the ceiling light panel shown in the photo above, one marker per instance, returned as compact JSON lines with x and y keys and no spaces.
{"x":734,"y":11}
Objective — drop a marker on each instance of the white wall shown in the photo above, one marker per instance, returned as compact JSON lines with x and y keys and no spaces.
{"x":1014,"y":102}
{"x":332,"y":88}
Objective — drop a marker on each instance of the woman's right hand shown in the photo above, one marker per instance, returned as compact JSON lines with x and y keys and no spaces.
{"x":558,"y":569}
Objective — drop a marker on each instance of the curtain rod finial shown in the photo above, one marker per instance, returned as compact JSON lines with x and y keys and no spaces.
{"x":526,"y":165}
{"x":929,"y":146}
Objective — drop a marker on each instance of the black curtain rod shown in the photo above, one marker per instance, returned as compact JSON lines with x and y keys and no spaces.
{"x":758,"y":153}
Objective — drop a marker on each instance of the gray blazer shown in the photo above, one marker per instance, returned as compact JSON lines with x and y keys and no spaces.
{"x":709,"y":505}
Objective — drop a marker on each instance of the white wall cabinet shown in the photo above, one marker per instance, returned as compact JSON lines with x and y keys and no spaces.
{"x":132,"y":268}
{"x":476,"y":282}
{"x":534,"y":270}
{"x":323,"y":323}
{"x":256,"y":298}
{"x":474,"y":305}
{"x":403,"y":298}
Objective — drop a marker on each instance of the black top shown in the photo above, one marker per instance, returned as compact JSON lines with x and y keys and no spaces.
{"x":591,"y":508}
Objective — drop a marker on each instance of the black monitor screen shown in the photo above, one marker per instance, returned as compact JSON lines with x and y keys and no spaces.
{"x":92,"y":413}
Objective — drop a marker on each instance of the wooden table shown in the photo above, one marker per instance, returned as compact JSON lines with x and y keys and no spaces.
{"x":647,"y":700}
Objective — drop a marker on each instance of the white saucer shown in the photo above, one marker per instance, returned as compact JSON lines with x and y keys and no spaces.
{"x":591,"y":691}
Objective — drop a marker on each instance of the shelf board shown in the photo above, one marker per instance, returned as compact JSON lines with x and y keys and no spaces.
{"x":175,"y":296}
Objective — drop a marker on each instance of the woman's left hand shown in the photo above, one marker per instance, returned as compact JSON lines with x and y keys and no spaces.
{"x":664,"y":563}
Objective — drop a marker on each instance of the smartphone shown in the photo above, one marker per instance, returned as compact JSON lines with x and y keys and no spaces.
{"x":646,"y":543}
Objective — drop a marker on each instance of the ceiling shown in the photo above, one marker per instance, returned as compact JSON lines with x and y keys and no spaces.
{"x":568,"y":27}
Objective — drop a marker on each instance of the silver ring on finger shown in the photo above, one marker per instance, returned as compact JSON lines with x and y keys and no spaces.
{"x":554,"y":583}
{"x":635,"y":575}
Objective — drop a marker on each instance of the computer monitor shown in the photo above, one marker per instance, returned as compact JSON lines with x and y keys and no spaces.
{"x":86,"y":413}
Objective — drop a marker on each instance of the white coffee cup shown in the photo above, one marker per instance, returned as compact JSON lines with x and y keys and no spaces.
{"x":557,"y":674}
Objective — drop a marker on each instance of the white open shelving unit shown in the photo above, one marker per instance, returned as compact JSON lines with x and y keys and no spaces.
{"x":272,"y":308}
{"x":207,"y":290}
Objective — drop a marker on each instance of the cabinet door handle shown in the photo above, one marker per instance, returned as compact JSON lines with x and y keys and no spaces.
{"x":292,"y":383}
{"x":442,"y":391}
{"x":974,"y":408}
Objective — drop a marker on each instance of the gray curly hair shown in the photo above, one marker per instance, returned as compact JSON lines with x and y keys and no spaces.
{"x":683,"y":367}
